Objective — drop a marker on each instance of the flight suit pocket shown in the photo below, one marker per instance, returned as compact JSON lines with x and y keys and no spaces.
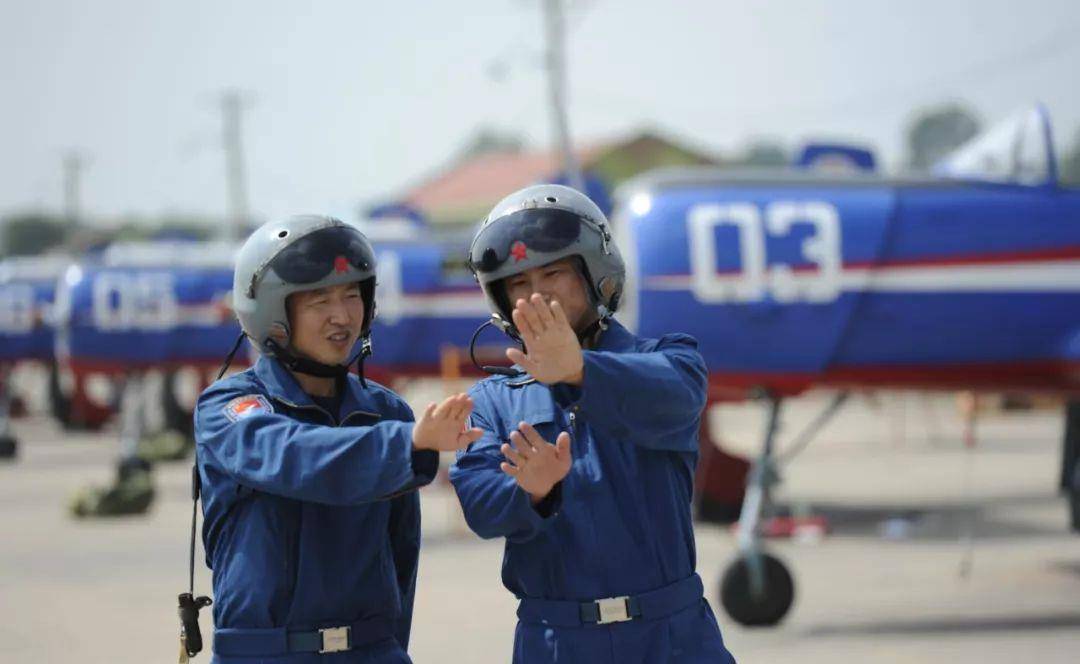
{"x":543,"y":422}
{"x":695,"y":636}
{"x":360,"y":418}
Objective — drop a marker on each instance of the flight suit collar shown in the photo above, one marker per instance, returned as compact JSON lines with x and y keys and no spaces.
{"x":616,"y":338}
{"x":281,"y":386}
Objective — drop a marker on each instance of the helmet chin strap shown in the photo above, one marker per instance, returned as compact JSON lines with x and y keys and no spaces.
{"x":310,"y":367}
{"x":365,"y":351}
{"x":587,"y":336}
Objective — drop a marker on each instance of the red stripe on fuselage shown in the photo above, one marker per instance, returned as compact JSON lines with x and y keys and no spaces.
{"x":1046,"y":255}
{"x":1003,"y":257}
{"x":1053,"y":376}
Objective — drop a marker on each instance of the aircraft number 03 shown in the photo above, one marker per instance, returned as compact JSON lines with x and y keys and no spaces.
{"x":756,"y":279}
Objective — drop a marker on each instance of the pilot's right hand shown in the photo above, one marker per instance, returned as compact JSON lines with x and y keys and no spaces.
{"x":442,"y":427}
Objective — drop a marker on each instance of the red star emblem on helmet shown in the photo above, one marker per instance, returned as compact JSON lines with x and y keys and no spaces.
{"x":341,"y":265}
{"x":518,"y":251}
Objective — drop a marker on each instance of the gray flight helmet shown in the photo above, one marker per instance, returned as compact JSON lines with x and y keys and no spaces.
{"x":536,"y":226}
{"x":297,"y":254}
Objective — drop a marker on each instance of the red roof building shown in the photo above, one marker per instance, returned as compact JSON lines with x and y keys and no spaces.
{"x":465,"y":192}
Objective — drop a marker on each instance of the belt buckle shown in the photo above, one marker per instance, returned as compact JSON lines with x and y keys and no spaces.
{"x":613,"y":610}
{"x":335,"y":639}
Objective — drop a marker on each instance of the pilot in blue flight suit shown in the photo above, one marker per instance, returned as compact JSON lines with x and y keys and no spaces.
{"x":312,"y":521}
{"x":586,"y":464}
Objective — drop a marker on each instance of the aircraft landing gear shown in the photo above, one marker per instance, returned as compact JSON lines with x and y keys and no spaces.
{"x":1074,"y":501}
{"x":1070,"y":463}
{"x":757,"y":589}
{"x":132,"y":491}
{"x":773,"y":598}
{"x":9,"y":447}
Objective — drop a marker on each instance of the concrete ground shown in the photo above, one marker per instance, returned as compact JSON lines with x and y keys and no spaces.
{"x":911,"y":510}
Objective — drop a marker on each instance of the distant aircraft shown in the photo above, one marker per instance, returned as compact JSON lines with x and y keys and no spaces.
{"x":142,"y":307}
{"x":967,"y":280}
{"x":27,"y":288}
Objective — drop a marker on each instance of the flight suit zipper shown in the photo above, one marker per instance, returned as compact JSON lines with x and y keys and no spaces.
{"x":292,"y":536}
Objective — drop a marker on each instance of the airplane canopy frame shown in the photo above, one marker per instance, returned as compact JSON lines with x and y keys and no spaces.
{"x":1018,"y":150}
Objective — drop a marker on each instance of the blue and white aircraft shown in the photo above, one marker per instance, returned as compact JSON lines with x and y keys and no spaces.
{"x":27,"y":288}
{"x":165,"y":306}
{"x":966,"y":280}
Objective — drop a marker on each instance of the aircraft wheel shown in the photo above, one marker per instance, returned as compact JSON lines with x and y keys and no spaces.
{"x":131,"y":493}
{"x":177,"y":418}
{"x":59,"y":403}
{"x":168,"y":445}
{"x":132,"y":467}
{"x":1074,"y":499}
{"x":73,"y":413}
{"x":9,"y":447}
{"x":741,"y":604}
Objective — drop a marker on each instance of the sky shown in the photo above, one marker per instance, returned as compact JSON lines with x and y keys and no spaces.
{"x":350,"y":102}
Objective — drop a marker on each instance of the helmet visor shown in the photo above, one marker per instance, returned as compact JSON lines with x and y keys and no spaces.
{"x":513,"y":237}
{"x":316,"y":255}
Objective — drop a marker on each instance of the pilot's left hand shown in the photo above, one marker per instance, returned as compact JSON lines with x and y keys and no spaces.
{"x":553,"y":352}
{"x":534,"y":463}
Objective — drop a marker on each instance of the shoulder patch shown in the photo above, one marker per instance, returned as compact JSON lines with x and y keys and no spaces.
{"x":520,"y":381}
{"x":246,"y":406}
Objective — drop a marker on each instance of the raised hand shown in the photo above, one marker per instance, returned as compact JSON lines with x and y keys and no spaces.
{"x":553,"y":352}
{"x":442,"y":427}
{"x":535,"y":464}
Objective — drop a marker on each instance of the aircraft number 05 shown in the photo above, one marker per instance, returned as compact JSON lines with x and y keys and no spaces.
{"x":123,"y":301}
{"x":756,"y":279}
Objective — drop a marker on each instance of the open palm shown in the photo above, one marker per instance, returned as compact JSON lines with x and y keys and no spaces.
{"x":535,"y":464}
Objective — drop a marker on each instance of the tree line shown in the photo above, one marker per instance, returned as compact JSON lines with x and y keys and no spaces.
{"x":933,"y":133}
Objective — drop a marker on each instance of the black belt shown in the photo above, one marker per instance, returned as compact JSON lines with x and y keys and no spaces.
{"x":657,"y":603}
{"x":281,"y":641}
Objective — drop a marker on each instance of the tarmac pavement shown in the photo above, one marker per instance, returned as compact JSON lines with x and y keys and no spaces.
{"x":938,"y":553}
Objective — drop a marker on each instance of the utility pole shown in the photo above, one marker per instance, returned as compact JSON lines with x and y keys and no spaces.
{"x":555,"y":64}
{"x":231,"y":107}
{"x":73,"y":165}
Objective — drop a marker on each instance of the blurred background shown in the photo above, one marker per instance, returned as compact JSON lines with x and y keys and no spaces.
{"x":345,"y":104}
{"x":866,"y":212}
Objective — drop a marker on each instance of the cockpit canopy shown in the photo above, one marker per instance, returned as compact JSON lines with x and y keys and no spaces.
{"x":1018,"y":150}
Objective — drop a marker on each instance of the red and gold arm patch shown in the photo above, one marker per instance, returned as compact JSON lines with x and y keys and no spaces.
{"x":246,"y":406}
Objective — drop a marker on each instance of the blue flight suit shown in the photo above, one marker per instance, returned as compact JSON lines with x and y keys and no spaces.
{"x":619,"y":524}
{"x":312,"y":520}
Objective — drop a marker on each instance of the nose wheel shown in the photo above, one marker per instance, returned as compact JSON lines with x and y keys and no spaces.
{"x":9,"y":447}
{"x":132,"y":492}
{"x":757,"y":590}
{"x":1070,"y":463}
